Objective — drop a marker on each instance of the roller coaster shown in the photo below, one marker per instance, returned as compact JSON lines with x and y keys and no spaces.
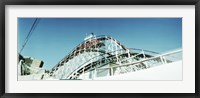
{"x":99,"y":56}
{"x":104,"y":56}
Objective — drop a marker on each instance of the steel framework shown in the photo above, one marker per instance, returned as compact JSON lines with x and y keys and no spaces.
{"x":99,"y":56}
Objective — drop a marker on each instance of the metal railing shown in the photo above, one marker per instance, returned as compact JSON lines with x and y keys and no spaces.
{"x":144,"y":63}
{"x":100,"y":58}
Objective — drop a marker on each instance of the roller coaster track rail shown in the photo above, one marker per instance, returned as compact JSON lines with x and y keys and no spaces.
{"x":96,"y":62}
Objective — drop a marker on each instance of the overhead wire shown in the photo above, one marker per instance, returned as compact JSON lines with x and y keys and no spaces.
{"x":29,"y":33}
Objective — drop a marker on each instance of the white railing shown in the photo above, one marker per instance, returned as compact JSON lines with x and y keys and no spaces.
{"x":144,"y":63}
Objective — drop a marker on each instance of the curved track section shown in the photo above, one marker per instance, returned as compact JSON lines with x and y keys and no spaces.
{"x":104,"y":56}
{"x":88,"y":49}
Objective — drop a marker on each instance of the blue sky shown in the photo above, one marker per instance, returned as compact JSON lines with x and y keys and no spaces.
{"x":54,"y":38}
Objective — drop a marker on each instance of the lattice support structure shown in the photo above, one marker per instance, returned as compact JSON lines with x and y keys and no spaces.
{"x":104,"y":56}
